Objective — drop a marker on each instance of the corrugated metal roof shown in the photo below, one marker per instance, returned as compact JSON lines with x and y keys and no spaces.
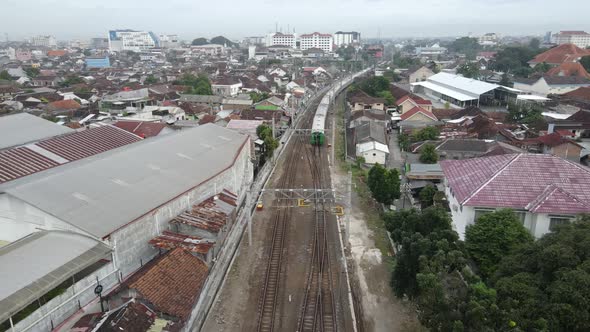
{"x":19,"y":129}
{"x":26,"y":160}
{"x":446,"y":91}
{"x":39,"y":262}
{"x":468,"y":85}
{"x":105,"y":192}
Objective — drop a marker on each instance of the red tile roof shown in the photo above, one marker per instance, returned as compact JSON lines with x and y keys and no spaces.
{"x":554,"y":139}
{"x":569,"y":69}
{"x":210,"y":215}
{"x":171,"y":282}
{"x":560,"y":54}
{"x":22,"y":161}
{"x":582,"y":93}
{"x":316,"y":34}
{"x":416,"y":110}
{"x":207,"y":118}
{"x":56,"y":53}
{"x":141,"y":128}
{"x":61,"y":105}
{"x":534,"y":182}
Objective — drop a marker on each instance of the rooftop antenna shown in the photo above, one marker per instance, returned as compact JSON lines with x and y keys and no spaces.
{"x":288,"y":28}
{"x":277,"y":27}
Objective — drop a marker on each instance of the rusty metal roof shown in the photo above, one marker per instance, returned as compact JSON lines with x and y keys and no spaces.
{"x":170,"y":240}
{"x":22,"y":161}
{"x":211,"y":214}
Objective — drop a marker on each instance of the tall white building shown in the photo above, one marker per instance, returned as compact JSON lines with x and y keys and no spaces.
{"x":347,"y":38}
{"x":322,"y":41}
{"x":279,"y":38}
{"x":169,"y":41}
{"x":489,"y":39}
{"x":131,"y":40}
{"x":578,"y":38}
{"x":44,"y":41}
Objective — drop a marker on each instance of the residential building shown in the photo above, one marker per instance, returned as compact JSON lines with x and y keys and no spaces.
{"x":578,"y":38}
{"x":546,"y":85}
{"x":407,"y":103}
{"x":131,"y":40}
{"x":322,"y":41}
{"x":371,"y":142}
{"x":44,"y":41}
{"x":283,"y":39}
{"x":143,"y":129}
{"x":254,"y":40}
{"x":430,"y":51}
{"x":23,"y":55}
{"x":489,"y":39}
{"x":226,"y":86}
{"x":97,"y":62}
{"x":48,"y":81}
{"x":347,"y":38}
{"x":569,"y":69}
{"x":560,"y":54}
{"x":557,"y":145}
{"x":543,"y":190}
{"x":417,"y":117}
{"x":420,"y":74}
{"x":209,"y":49}
{"x":360,"y":101}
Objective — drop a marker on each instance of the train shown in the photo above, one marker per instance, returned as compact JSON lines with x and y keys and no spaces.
{"x":318,"y":126}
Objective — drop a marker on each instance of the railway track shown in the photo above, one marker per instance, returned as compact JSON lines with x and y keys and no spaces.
{"x":318,"y":312}
{"x":269,"y":300}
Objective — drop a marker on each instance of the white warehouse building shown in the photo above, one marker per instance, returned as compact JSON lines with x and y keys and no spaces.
{"x":105,"y":209}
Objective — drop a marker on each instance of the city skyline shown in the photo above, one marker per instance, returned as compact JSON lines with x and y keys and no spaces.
{"x":385,"y":19}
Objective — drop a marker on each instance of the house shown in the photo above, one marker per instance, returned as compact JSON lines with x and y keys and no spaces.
{"x":417,"y":117}
{"x":569,"y":69}
{"x":359,"y":100}
{"x":46,"y":81}
{"x":547,"y":85}
{"x":66,"y":106}
{"x":458,"y":149}
{"x":420,"y":74}
{"x":557,"y":145}
{"x":361,"y":117}
{"x":371,"y":142}
{"x":578,"y":98}
{"x":226,"y":86}
{"x":543,"y":190}
{"x":406,"y":103}
{"x":560,"y":54}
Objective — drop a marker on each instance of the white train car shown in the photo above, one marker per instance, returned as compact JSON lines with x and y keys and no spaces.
{"x":319,"y":121}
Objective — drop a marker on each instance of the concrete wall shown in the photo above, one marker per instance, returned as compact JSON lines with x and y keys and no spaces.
{"x":374,"y":156}
{"x":131,"y":242}
{"x":19,"y":219}
{"x":63,"y":306}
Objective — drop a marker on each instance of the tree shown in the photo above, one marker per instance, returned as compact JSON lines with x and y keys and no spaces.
{"x":264,"y":132}
{"x":4,"y":75}
{"x":220,"y":40}
{"x":426,"y":134}
{"x":150,"y":80}
{"x":428,"y":154}
{"x":199,"y":42}
{"x":198,"y":85}
{"x":257,"y":97}
{"x":514,"y":59}
{"x":384,"y":184}
{"x":375,"y":85}
{"x":505,"y":81}
{"x":469,"y":70}
{"x":466,"y":45}
{"x":585,"y":61}
{"x":524,"y":113}
{"x":493,"y":236}
{"x":545,"y":285}
{"x":535,"y":43}
{"x":541,"y":67}
{"x":32,"y":72}
{"x":427,"y":195}
{"x":71,"y":80}
{"x":389,"y":99}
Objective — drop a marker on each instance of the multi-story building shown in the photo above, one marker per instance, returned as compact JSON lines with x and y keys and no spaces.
{"x":169,"y":41}
{"x":489,"y":39}
{"x":347,"y":38}
{"x":279,"y":38}
{"x":254,"y":40}
{"x":578,"y":38}
{"x":132,"y":40}
{"x":97,"y":62}
{"x":44,"y":41}
{"x":99,"y":43}
{"x":325,"y":42}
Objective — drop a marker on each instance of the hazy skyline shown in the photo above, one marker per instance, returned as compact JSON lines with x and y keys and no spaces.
{"x":74,"y":19}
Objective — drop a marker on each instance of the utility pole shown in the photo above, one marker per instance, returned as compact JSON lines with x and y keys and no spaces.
{"x":347,"y":227}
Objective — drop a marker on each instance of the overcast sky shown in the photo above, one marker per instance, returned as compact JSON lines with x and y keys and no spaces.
{"x":69,"y":19}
